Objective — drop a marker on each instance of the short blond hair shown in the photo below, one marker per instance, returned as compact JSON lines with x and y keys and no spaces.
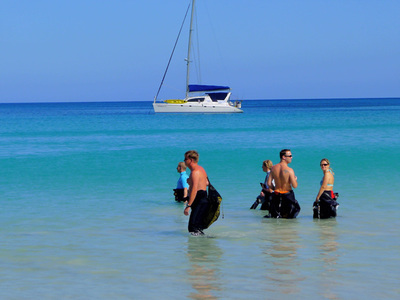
{"x":193,"y":155}
{"x":182,"y":165}
{"x":268,"y":163}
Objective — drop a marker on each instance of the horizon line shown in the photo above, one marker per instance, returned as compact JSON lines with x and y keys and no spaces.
{"x":257,"y":99}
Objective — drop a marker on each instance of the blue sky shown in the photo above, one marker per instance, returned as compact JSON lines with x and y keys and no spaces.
{"x":59,"y":50}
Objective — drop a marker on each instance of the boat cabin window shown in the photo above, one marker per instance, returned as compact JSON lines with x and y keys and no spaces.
{"x":217,"y":96}
{"x":195,"y":100}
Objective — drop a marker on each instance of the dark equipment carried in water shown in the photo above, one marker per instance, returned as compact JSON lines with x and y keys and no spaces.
{"x":283,"y":205}
{"x":259,"y":200}
{"x":326,"y":206}
{"x":265,"y":201}
{"x":178,"y":193}
{"x":214,"y":199}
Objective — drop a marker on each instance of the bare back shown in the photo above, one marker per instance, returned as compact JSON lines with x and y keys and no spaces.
{"x":284,"y":177}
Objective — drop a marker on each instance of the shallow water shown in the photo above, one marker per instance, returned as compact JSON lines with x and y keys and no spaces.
{"x":87,"y":209}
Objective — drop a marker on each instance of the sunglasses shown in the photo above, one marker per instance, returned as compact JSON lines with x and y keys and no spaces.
{"x":323,"y":165}
{"x":288,"y":155}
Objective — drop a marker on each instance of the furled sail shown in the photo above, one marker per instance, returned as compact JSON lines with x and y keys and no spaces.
{"x":206,"y":88}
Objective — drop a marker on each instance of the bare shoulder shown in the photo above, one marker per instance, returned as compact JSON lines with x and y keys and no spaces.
{"x":288,"y":170}
{"x":204,"y":173}
{"x":276,"y":168}
{"x":286,"y":167}
{"x":199,"y":171}
{"x":195,"y":172}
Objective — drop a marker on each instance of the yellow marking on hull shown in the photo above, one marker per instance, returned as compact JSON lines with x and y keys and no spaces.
{"x":175,"y":101}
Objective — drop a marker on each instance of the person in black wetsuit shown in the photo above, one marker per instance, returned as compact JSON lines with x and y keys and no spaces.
{"x":198,"y":201}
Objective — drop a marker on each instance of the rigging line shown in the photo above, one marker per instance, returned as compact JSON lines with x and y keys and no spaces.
{"x":173,"y":50}
{"x":195,"y":49}
{"x":217,"y":46}
{"x":198,"y":49}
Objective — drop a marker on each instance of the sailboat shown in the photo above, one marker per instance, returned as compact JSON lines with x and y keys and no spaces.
{"x":199,"y":98}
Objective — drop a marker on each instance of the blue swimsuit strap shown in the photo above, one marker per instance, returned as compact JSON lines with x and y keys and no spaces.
{"x":329,"y":184}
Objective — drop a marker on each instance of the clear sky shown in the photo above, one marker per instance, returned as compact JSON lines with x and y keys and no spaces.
{"x":117,"y":50}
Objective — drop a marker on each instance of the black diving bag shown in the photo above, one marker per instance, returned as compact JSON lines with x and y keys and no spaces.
{"x":283,"y":206}
{"x":178,"y":193}
{"x":326,"y":207}
{"x":214,"y":200}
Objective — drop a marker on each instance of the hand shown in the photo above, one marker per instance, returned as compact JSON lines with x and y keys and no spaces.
{"x":186,"y":211}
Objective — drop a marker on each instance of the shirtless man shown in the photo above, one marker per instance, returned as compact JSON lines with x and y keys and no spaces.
{"x":197,"y":202}
{"x":285,"y":204}
{"x":282,"y":174}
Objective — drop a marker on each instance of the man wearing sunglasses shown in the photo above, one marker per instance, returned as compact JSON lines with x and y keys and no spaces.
{"x":198,"y":202}
{"x":284,"y":203}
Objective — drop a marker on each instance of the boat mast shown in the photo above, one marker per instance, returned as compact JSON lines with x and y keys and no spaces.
{"x":189,"y":46}
{"x":172,"y":54}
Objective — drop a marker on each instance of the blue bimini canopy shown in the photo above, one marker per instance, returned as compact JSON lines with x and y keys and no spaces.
{"x":206,"y":88}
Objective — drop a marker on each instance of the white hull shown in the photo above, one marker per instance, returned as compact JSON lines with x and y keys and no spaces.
{"x":199,"y":98}
{"x":160,"y":107}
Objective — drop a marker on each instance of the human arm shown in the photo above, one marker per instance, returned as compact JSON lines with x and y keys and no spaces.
{"x":272,"y":187}
{"x":269,"y":182}
{"x":293,"y":179}
{"x":324,"y":186}
{"x":263,"y":187}
{"x":186,"y":186}
{"x":194,"y":183}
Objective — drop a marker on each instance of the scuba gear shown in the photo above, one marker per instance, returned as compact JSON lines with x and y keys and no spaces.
{"x":326,"y":206}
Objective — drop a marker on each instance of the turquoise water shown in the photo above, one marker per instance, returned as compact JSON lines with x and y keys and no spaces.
{"x":87,"y":210}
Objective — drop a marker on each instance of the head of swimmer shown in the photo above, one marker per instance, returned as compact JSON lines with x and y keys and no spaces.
{"x":286,"y":155}
{"x":324,"y":164}
{"x":267,"y":165}
{"x":181,"y":167}
{"x":191,"y":156}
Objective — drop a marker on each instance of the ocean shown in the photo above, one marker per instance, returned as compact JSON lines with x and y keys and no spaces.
{"x":87,"y":209}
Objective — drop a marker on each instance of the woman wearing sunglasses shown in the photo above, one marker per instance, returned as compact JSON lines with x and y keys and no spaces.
{"x":325,"y":204}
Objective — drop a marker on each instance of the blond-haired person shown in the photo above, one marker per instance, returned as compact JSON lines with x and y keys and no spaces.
{"x":198,"y":202}
{"x":266,"y":192}
{"x":325,"y":204}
